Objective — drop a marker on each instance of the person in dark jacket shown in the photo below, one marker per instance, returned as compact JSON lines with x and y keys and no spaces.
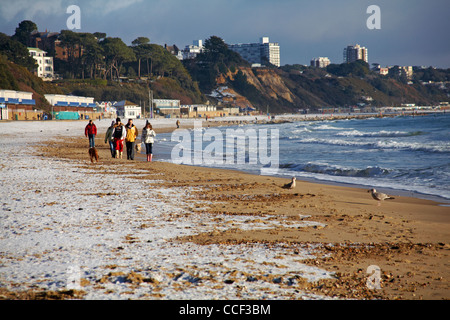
{"x":119,"y":135}
{"x":110,"y":139}
{"x":91,"y":131}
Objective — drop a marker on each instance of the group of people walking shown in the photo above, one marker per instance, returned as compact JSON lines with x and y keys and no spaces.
{"x":119,"y":134}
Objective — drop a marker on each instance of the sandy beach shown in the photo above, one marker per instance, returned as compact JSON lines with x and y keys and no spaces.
{"x":343,"y":228}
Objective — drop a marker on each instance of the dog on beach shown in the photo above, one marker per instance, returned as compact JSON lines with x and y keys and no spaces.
{"x":138,"y":147}
{"x":93,"y":154}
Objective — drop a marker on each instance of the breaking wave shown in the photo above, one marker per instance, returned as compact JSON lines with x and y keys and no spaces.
{"x":382,"y":144}
{"x":333,"y":170}
{"x":382,"y":133}
{"x":327,"y":127}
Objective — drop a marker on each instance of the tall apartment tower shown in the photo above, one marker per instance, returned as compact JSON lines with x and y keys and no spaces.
{"x":259,"y":53}
{"x":356,"y":52}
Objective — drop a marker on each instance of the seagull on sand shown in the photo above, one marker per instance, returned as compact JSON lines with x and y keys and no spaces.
{"x":379,"y":196}
{"x":290,"y":185}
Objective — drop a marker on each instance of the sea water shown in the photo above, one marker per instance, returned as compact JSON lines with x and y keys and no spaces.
{"x":409,"y":153}
{"x":404,"y":153}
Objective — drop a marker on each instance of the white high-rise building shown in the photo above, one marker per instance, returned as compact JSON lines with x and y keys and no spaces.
{"x":45,"y":64}
{"x":321,"y":62}
{"x":354,"y":53}
{"x":259,"y":53}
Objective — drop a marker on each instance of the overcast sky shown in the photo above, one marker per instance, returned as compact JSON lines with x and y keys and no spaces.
{"x":413,"y":32}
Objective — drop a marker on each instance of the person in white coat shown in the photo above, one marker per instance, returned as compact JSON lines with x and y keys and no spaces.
{"x":147,"y":137}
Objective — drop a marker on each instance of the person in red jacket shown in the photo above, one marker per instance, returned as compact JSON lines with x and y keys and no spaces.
{"x":91,"y":131}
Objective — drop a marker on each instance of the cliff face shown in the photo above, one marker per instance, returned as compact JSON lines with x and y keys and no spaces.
{"x":288,"y":91}
{"x":266,"y":84}
{"x":269,"y":83}
{"x":265,"y":88}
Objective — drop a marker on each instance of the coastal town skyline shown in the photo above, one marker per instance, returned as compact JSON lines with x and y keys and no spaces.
{"x":410,"y":32}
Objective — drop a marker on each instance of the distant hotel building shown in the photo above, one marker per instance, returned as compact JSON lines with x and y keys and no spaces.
{"x":354,"y":53}
{"x":321,"y":62}
{"x":407,"y":71}
{"x":191,"y":51}
{"x":49,"y":42}
{"x":45,"y":64}
{"x":259,"y":53}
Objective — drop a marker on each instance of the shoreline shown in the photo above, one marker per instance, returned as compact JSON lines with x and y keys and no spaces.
{"x":392,"y":191}
{"x":297,"y":118}
{"x":140,"y":162}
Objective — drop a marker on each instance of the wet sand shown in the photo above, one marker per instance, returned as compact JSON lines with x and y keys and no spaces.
{"x":407,"y":238}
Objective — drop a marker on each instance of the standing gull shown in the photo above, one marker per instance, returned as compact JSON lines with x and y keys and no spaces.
{"x":379,"y":196}
{"x":290,"y":185}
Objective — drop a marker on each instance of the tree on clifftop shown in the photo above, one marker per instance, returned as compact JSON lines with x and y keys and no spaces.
{"x":216,"y":52}
{"x":358,"y":68}
{"x":116,"y":53}
{"x":215,"y":59}
{"x":23,"y":32}
{"x":71,"y":42}
{"x":16,"y":52}
{"x":141,"y":51}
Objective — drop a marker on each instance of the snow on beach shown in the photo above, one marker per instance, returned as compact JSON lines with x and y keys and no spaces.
{"x":66,"y":226}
